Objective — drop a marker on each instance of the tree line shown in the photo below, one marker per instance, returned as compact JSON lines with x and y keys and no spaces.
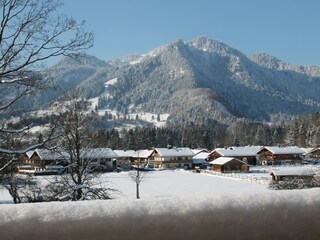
{"x":303,"y":131}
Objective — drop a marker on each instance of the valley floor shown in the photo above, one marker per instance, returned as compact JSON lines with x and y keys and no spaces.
{"x":174,"y":204}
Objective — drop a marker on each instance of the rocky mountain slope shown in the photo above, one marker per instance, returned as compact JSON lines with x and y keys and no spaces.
{"x":195,"y":81}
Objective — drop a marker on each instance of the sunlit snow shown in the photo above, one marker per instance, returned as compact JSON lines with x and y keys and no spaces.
{"x":174,"y":205}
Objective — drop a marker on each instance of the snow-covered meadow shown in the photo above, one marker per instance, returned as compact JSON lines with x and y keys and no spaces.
{"x":174,"y":205}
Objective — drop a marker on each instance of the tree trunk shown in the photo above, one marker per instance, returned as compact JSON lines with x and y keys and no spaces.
{"x":137,"y":188}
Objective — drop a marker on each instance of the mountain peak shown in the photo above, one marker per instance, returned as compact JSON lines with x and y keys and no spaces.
{"x":266,"y":60}
{"x":203,"y":43}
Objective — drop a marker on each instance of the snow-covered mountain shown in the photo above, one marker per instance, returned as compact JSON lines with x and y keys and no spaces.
{"x":195,"y":81}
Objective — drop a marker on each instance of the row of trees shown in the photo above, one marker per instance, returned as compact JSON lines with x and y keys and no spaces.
{"x":304,"y":131}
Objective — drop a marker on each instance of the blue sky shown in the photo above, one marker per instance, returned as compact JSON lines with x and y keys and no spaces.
{"x":286,"y":29}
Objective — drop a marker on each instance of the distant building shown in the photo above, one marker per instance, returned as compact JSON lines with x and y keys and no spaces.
{"x":286,"y":175}
{"x":42,"y":162}
{"x":246,"y":154}
{"x":229,"y":164}
{"x":281,"y":155}
{"x":200,"y":158}
{"x":171,"y":158}
{"x":47,"y":162}
{"x":124,"y":158}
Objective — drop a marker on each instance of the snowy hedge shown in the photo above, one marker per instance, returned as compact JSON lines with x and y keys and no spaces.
{"x":276,"y":215}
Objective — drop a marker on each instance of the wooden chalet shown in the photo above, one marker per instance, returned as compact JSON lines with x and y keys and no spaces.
{"x":42,"y":162}
{"x":142,"y":157}
{"x":200,"y":158}
{"x":281,"y":155}
{"x":171,"y":158}
{"x":290,"y":174}
{"x":246,"y":154}
{"x":100,"y":159}
{"x":229,"y":164}
{"x":124,"y":159}
{"x":47,"y":162}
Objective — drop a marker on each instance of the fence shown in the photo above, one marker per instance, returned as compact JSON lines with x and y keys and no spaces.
{"x":243,"y":176}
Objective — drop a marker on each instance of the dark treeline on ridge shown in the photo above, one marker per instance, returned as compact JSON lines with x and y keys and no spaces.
{"x":304,"y":131}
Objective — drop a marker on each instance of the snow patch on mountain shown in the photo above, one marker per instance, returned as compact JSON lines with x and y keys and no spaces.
{"x":111,"y":82}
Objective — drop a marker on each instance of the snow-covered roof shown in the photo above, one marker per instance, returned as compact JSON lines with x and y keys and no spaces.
{"x":224,"y":160}
{"x":175,"y":152}
{"x":202,"y":155}
{"x":124,"y":153}
{"x":285,"y":150}
{"x":198,"y":151}
{"x":29,"y":153}
{"x":237,"y":151}
{"x":307,"y":150}
{"x":145,"y":153}
{"x":292,"y":172}
{"x":314,"y":150}
{"x":46,"y":154}
{"x":98,"y":153}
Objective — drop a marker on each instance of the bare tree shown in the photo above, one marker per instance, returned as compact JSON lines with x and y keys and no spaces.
{"x":31,"y":32}
{"x":137,"y":175}
{"x":82,"y":180}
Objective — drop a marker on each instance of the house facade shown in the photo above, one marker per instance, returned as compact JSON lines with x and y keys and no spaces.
{"x":47,"y":162}
{"x":229,"y":164}
{"x":100,"y":159}
{"x":287,"y":175}
{"x":42,"y":162}
{"x":200,"y":158}
{"x":281,"y":155}
{"x":142,"y":157}
{"x":171,"y":158}
{"x":246,"y":154}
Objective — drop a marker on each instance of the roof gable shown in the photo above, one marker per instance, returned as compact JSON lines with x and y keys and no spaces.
{"x":224,"y":160}
{"x":98,"y":153}
{"x":236,"y":152}
{"x":124,"y":153}
{"x":174,"y":152}
{"x":284,"y":150}
{"x":145,"y":153}
{"x":46,"y":154}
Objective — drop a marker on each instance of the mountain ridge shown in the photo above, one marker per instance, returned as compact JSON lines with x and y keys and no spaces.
{"x":197,"y":81}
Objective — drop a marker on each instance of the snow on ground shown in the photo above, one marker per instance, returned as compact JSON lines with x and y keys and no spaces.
{"x":150,"y":117}
{"x":174,"y":204}
{"x":179,"y":183}
{"x":94,"y":102}
{"x":39,"y":129}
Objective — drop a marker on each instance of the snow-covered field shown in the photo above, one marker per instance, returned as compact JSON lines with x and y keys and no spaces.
{"x":174,"y":205}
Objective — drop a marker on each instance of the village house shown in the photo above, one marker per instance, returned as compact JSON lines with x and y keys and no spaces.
{"x":281,"y":155}
{"x":291,"y":174}
{"x":124,"y":159}
{"x":47,"y":162}
{"x":246,"y":154}
{"x":200,"y":158}
{"x":171,"y":158}
{"x":142,"y":157}
{"x":101,"y":159}
{"x":229,"y":164}
{"x":42,"y":162}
